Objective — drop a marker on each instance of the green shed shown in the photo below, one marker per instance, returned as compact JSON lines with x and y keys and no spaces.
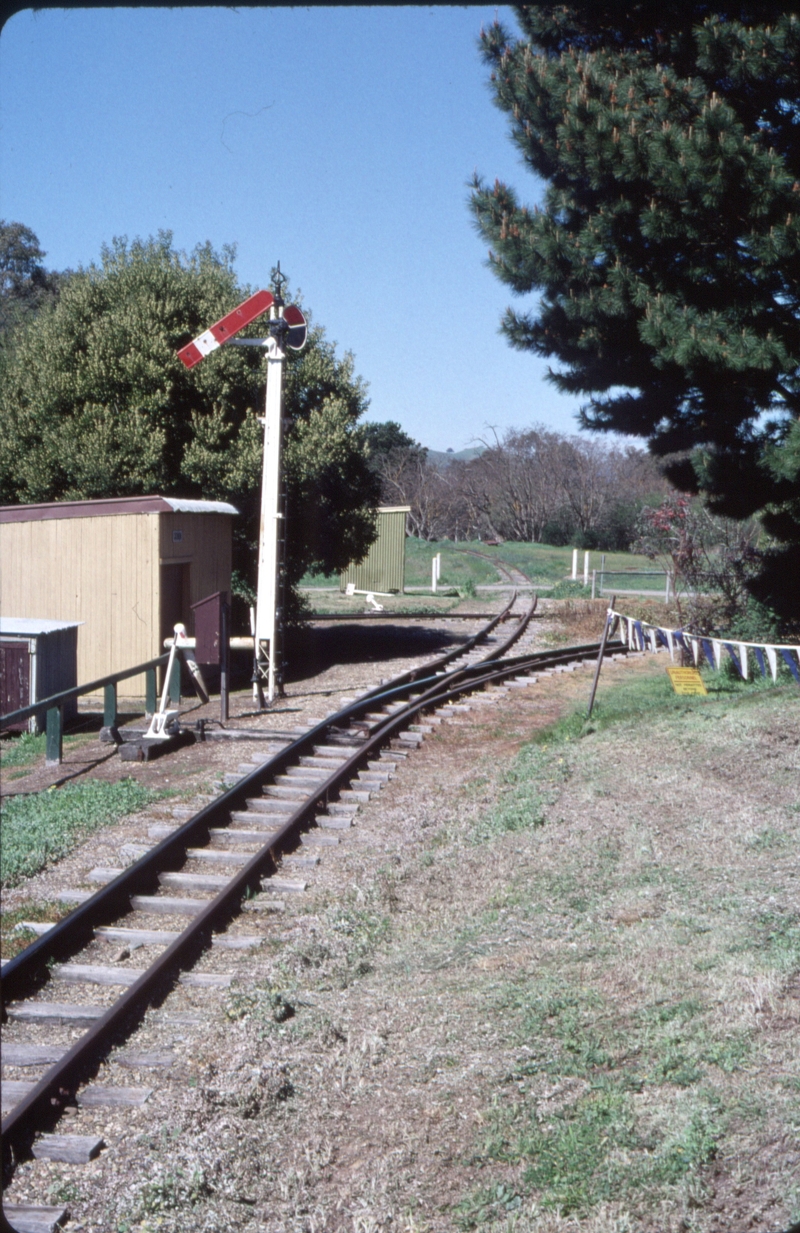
{"x":383,"y":568}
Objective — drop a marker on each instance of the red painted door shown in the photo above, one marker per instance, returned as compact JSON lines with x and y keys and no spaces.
{"x":15,"y":680}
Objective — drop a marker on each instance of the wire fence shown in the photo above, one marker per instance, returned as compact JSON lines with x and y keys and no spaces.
{"x":655,"y":582}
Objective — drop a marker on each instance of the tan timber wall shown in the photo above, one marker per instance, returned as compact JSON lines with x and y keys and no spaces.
{"x":205,"y":544}
{"x":107,"y":573}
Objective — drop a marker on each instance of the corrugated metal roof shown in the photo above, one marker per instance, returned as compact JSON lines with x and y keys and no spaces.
{"x":181,"y":506}
{"x":31,"y":627}
{"x":107,"y":507}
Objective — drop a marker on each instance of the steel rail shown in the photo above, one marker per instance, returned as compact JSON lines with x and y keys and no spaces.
{"x":42,"y":1105}
{"x":142,"y":876}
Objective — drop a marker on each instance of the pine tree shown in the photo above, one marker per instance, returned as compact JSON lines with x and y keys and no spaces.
{"x":666,"y":252}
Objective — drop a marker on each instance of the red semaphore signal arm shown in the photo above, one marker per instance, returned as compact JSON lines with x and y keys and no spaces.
{"x":225,"y":328}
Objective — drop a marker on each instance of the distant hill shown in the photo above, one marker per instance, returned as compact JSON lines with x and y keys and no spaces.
{"x":443,"y":458}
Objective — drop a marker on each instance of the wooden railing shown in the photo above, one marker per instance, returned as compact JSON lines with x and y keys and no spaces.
{"x":54,"y":705}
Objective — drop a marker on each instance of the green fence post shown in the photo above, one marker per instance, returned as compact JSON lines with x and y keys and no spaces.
{"x":54,"y":729}
{"x":151,"y":701}
{"x":110,"y":706}
{"x":175,"y":682}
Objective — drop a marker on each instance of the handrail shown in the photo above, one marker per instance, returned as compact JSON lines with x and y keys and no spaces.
{"x":77,"y":691}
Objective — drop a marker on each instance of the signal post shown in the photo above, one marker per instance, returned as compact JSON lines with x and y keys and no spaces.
{"x":287,"y":329}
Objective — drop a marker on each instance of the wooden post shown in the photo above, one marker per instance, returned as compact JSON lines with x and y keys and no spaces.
{"x":54,"y":744}
{"x":151,"y":691}
{"x":603,"y":642}
{"x":175,"y":682}
{"x":109,"y":733}
{"x":224,"y":660}
{"x":594,"y":582}
{"x":110,"y":705}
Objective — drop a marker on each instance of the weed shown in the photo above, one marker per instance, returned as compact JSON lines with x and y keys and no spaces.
{"x":569,"y":590}
{"x":782,"y":941}
{"x":14,"y":939}
{"x":172,"y":1191}
{"x":362,"y":931}
{"x":62,"y":1191}
{"x":766,"y":840}
{"x":525,"y":793}
{"x":45,"y":826}
{"x":259,"y":1001}
{"x":729,"y":1054}
{"x":590,"y":1151}
{"x":29,"y":747}
{"x":693,"y":1146}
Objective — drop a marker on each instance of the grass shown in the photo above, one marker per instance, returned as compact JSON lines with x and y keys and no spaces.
{"x":21,"y":752}
{"x":39,"y":829}
{"x":463,"y":570}
{"x":625,"y":1091}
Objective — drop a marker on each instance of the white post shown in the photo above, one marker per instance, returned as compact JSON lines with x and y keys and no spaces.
{"x":266,"y":605}
{"x":594,"y":582}
{"x":574,"y":564}
{"x":433,"y":574}
{"x":256,"y":686}
{"x":586,"y":569}
{"x":666,"y":591}
{"x":438,"y":566}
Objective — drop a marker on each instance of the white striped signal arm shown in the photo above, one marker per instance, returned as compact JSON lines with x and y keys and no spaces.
{"x":223,"y":330}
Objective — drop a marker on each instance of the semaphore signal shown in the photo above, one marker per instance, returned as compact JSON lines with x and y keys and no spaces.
{"x":287,"y":329}
{"x":224,"y":329}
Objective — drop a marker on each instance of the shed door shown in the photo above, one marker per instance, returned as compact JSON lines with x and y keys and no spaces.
{"x":15,"y":679}
{"x":175,"y":596}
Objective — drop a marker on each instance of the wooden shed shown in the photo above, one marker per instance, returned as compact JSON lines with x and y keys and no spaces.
{"x":383,"y":568}
{"x":38,"y":658}
{"x":126,"y":568}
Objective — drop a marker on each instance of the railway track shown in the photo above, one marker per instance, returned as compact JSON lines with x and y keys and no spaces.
{"x":514,"y":576}
{"x":66,"y":1006}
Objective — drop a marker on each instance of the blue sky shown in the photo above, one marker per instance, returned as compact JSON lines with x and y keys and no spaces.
{"x":337,"y":140}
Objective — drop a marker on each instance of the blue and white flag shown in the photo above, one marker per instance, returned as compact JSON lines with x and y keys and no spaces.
{"x":640,"y":634}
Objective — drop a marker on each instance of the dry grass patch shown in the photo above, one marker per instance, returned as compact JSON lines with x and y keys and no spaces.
{"x":549,"y":983}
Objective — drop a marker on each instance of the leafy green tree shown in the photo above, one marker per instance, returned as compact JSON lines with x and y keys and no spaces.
{"x":382,"y":440}
{"x":25,"y":285}
{"x":666,"y":251}
{"x":94,"y":402}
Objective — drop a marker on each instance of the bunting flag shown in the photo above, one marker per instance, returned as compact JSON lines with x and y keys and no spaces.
{"x":745,"y":667}
{"x":640,"y":635}
{"x":736,"y":658}
{"x":790,"y":664}
{"x":772,"y":660}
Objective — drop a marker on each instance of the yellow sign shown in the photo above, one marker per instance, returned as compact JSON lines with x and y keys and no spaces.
{"x":686,"y":681}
